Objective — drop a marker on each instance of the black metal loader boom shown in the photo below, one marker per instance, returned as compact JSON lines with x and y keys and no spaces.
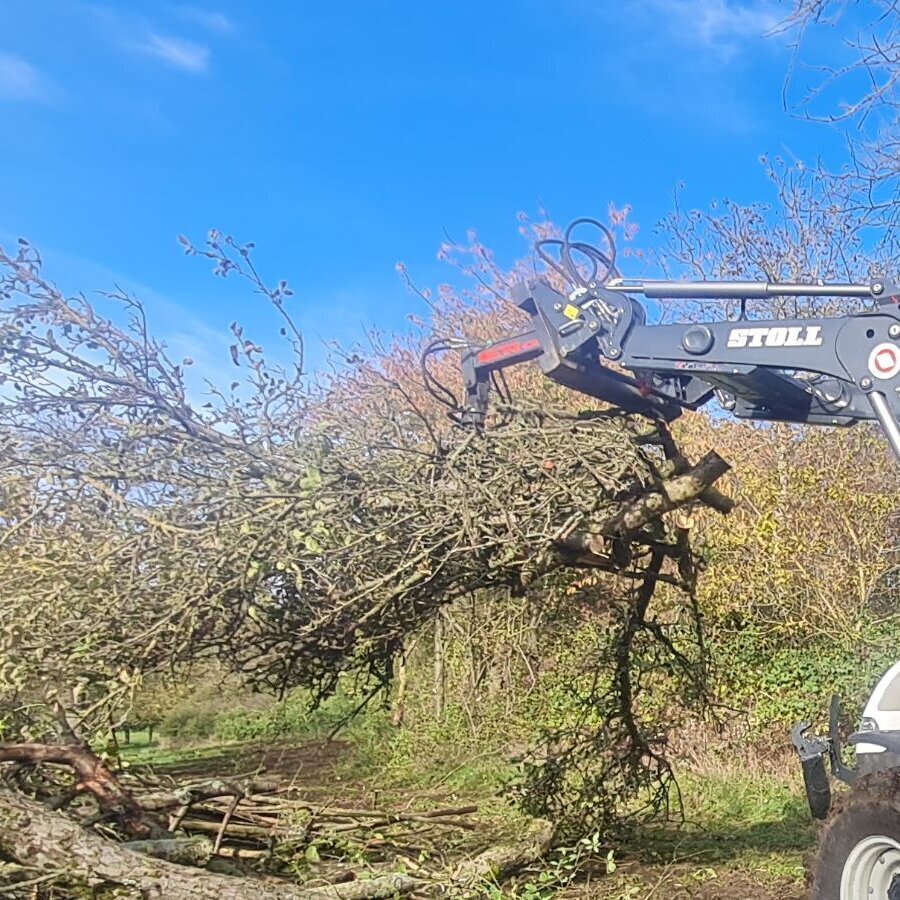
{"x":824,"y":371}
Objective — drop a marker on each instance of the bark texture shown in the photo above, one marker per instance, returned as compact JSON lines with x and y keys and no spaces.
{"x":50,"y":842}
{"x":93,"y":776}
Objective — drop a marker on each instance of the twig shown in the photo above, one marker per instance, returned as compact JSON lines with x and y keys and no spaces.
{"x":225,"y":820}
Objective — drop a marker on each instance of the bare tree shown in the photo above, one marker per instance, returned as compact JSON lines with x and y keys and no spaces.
{"x":846,"y":74}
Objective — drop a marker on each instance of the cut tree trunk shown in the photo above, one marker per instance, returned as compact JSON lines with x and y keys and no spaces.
{"x":438,"y":687}
{"x":400,"y":676}
{"x":674,"y":493}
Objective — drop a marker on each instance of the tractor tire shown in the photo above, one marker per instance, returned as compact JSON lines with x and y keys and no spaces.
{"x":859,"y":846}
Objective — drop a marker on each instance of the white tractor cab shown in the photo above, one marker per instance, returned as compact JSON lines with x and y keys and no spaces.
{"x":859,"y":850}
{"x":881,"y":715}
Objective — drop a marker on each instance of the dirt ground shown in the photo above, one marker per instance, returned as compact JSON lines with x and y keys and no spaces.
{"x":742,"y":886}
{"x":313,"y":766}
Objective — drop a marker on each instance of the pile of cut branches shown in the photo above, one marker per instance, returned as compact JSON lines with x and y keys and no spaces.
{"x":255,"y":819}
{"x":235,"y":835}
{"x":393,"y":527}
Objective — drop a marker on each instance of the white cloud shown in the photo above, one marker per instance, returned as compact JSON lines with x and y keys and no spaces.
{"x":176,"y":52}
{"x":719,"y":25}
{"x":209,"y":19}
{"x":19,"y":79}
{"x":137,"y":35}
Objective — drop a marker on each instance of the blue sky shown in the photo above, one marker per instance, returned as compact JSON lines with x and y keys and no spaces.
{"x":344,"y":136}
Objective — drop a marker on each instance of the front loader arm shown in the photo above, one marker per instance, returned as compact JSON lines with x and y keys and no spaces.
{"x":828,"y":371}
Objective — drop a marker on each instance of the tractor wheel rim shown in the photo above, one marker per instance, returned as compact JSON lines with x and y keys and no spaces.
{"x":870,"y":868}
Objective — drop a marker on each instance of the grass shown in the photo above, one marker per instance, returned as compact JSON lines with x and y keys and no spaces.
{"x":743,"y":836}
{"x":759,"y":824}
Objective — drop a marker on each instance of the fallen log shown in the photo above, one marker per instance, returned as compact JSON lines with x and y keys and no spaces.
{"x":238,"y":829}
{"x":198,"y":793}
{"x":190,"y":851}
{"x":52,"y":843}
{"x":94,"y":776}
{"x":505,"y":859}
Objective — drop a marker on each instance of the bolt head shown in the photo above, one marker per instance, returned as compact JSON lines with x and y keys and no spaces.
{"x":894,"y":331}
{"x":865,"y":383}
{"x":557,"y":306}
{"x":877,"y":287}
{"x":594,"y":326}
